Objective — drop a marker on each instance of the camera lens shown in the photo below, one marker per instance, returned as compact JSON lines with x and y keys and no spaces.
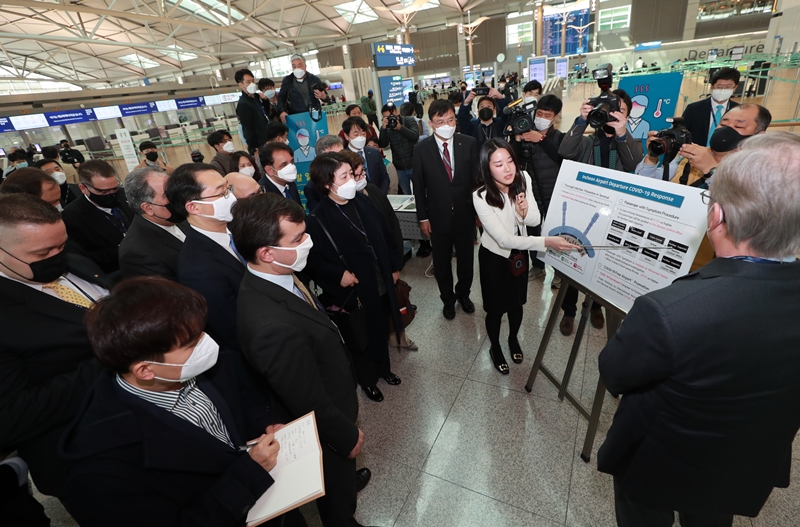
{"x":599,"y":116}
{"x":523,"y":123}
{"x":660,"y":146}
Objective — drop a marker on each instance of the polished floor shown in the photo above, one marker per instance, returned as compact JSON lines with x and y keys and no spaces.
{"x":459,"y":445}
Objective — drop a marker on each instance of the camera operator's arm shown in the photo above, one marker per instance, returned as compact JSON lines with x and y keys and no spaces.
{"x":464,"y":119}
{"x":500,"y":101}
{"x":574,"y":145}
{"x":630,"y":150}
{"x":383,"y":138}
{"x":406,"y":129}
{"x":699,"y":157}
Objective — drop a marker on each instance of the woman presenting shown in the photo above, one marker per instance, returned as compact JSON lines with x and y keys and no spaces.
{"x":502,"y":203}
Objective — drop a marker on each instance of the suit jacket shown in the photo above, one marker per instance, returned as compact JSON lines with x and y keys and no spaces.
{"x":69,"y":193}
{"x":269,"y":186}
{"x":150,"y":250}
{"x":222,"y":162}
{"x":698,"y":119}
{"x":376,"y":169}
{"x":711,"y":404}
{"x":300,"y":353}
{"x":446,"y":204}
{"x":46,"y":368}
{"x":122,"y":447}
{"x":216,"y":274}
{"x":92,"y":229}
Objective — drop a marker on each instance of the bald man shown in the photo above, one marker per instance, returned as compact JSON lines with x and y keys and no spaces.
{"x":243,"y":185}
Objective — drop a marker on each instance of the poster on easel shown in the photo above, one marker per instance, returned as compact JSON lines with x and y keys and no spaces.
{"x":303,"y":134}
{"x":635,"y":234}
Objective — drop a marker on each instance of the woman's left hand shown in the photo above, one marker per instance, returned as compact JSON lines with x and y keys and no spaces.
{"x":395,"y":276}
{"x":521,"y":205}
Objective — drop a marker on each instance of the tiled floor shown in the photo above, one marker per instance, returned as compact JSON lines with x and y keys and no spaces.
{"x":459,"y":445}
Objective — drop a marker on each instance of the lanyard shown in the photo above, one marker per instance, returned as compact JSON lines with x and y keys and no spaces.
{"x":755,"y":259}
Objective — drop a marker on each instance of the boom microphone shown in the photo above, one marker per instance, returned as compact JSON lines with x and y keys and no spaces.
{"x":510,"y":108}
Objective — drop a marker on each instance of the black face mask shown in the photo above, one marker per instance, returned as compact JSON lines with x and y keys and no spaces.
{"x":173,"y":218}
{"x":609,"y":129}
{"x":485,"y":114}
{"x":151,"y":156}
{"x":107,"y":201}
{"x":44,"y":271}
{"x":726,"y":139}
{"x":463,"y":88}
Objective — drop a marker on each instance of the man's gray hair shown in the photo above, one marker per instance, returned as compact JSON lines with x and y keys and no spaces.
{"x":759,"y":191}
{"x":297,"y":56}
{"x":137,"y":190}
{"x":326,"y":142}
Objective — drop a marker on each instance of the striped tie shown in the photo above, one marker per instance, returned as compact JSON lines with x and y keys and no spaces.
{"x":446,"y":158}
{"x":69,"y":295}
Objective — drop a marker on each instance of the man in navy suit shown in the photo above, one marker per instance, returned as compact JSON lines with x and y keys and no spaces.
{"x":357,"y":129}
{"x":703,"y":117}
{"x":208,"y":262}
{"x":280,"y":171}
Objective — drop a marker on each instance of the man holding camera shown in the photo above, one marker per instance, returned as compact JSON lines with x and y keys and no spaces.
{"x":401,"y":133}
{"x":300,"y":90}
{"x":489,"y":123}
{"x":611,"y":146}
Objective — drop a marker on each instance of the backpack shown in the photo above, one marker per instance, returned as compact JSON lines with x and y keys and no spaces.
{"x":412,"y":97}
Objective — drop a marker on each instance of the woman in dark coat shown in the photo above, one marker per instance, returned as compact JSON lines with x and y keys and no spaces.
{"x":361,"y":263}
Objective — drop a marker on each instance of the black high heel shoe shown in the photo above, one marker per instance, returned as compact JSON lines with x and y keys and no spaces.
{"x":498,"y":360}
{"x":515,"y":349}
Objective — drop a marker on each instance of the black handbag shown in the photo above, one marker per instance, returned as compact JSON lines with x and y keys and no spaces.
{"x":353,"y":323}
{"x":517,"y":261}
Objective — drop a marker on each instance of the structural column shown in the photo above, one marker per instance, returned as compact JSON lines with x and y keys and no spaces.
{"x":690,"y":23}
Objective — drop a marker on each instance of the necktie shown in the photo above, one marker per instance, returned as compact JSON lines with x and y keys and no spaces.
{"x":717,"y":119}
{"x":69,"y":295}
{"x":361,"y":153}
{"x":306,"y":293}
{"x":286,"y":192}
{"x":117,"y":219}
{"x":233,"y":248}
{"x":446,"y":158}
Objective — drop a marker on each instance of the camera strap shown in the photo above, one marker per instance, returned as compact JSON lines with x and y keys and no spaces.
{"x":598,"y":159}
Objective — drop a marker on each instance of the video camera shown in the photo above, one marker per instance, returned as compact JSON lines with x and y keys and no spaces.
{"x":670,"y":140}
{"x":606,"y":102}
{"x":521,"y":119}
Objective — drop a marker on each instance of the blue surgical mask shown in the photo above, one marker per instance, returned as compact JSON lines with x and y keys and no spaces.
{"x":22,"y":165}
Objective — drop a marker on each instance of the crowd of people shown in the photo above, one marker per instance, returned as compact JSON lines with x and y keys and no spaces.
{"x":155,"y":324}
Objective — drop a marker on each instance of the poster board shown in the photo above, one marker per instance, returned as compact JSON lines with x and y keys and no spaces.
{"x":127,"y":148}
{"x":655,"y":98}
{"x":598,"y":208}
{"x":303,"y":135}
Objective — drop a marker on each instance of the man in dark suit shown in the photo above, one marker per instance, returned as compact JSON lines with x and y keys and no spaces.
{"x":356,"y":129}
{"x":281,"y":172}
{"x":286,"y":336}
{"x":445,"y":171}
{"x":701,"y":118}
{"x":46,"y":362}
{"x":168,"y":428}
{"x":490,"y":121}
{"x":99,"y":220}
{"x":208,"y":262}
{"x":712,"y":404}
{"x":156,"y":236}
{"x":69,"y":192}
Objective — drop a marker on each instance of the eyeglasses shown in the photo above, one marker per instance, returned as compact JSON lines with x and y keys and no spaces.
{"x":706,"y":197}
{"x":262,"y":190}
{"x":223,"y":195}
{"x":105,"y":191}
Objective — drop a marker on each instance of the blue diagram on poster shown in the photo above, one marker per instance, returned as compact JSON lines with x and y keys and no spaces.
{"x":303,"y":135}
{"x":552,"y":32}
{"x":654,"y":99}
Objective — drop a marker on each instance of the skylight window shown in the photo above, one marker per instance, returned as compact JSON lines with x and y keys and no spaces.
{"x":356,"y":12}
{"x":138,"y":60}
{"x":429,"y":5}
{"x":210,"y":10}
{"x":179,"y":54}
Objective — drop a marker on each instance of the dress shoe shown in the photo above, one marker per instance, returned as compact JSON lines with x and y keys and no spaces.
{"x":413,"y":307}
{"x":410,"y":346}
{"x":515,"y":349}
{"x":449,"y":312}
{"x":362,"y":478}
{"x":466,"y":304}
{"x":424,"y":250}
{"x":392,"y":379}
{"x":567,"y":325}
{"x":373,"y":393}
{"x":498,"y":360}
{"x":556,"y":283}
{"x":597,"y":319}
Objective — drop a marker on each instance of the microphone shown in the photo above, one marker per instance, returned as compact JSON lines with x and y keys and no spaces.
{"x":508,"y":109}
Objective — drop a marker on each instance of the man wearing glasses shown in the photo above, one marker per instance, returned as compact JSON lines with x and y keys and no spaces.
{"x":99,"y":221}
{"x":209,"y":262}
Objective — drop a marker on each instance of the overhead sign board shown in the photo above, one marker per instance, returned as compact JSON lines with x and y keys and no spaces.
{"x":392,"y":89}
{"x":128,"y":110}
{"x":647,"y":46}
{"x":107,"y":112}
{"x":5,"y":125}
{"x":165,"y":106}
{"x":69,"y":117}
{"x":393,"y":55}
{"x":537,"y":69}
{"x":190,"y":102}
{"x":26,"y":122}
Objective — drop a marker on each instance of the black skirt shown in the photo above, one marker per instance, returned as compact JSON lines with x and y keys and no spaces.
{"x":501,"y":292}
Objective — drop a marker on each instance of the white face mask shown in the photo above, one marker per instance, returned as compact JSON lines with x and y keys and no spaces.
{"x":288,"y":173}
{"x":302,"y":255}
{"x":346,"y":191}
{"x":303,"y":140}
{"x":222,"y":208}
{"x":541,"y":123}
{"x":527,"y":99}
{"x":60,"y":177}
{"x":229,"y":147}
{"x":359,"y":142}
{"x":361,"y":184}
{"x":247,"y":171}
{"x":445,"y":132}
{"x":269,"y":94}
{"x":298,"y":73}
{"x":203,"y":358}
{"x":721,"y":95}
{"x":252,"y":88}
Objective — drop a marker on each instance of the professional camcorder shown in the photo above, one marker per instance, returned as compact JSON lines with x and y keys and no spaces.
{"x":670,"y":140}
{"x":521,"y":119}
{"x":606,"y":102}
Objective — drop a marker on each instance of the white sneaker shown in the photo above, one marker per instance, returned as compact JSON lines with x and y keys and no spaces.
{"x":556,"y":283}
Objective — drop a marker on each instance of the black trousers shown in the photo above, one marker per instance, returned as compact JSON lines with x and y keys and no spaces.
{"x":17,"y":506}
{"x":372,"y":118}
{"x":570,"y":305}
{"x":462,"y":238}
{"x":535,"y":231}
{"x":634,"y":513}
{"x":337,"y":507}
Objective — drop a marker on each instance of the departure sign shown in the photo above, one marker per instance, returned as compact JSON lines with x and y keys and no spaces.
{"x":393,"y":55}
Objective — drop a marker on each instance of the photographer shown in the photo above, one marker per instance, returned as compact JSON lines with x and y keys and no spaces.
{"x":300,"y":90}
{"x":401,"y":133}
{"x":488,"y":124}
{"x":695,"y":164}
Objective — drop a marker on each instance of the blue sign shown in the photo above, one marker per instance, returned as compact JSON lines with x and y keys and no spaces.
{"x":537,"y":69}
{"x":520,"y":58}
{"x":580,"y":50}
{"x":654,"y":98}
{"x":393,"y":55}
{"x":392,"y":89}
{"x":646,"y":46}
{"x":6,"y":125}
{"x":303,"y":135}
{"x":69,"y":117}
{"x":190,"y":102}
{"x":551,"y":33}
{"x":651,"y":194}
{"x":137,"y":109}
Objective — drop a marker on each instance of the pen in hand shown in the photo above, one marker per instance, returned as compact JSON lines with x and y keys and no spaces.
{"x":247,"y":446}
